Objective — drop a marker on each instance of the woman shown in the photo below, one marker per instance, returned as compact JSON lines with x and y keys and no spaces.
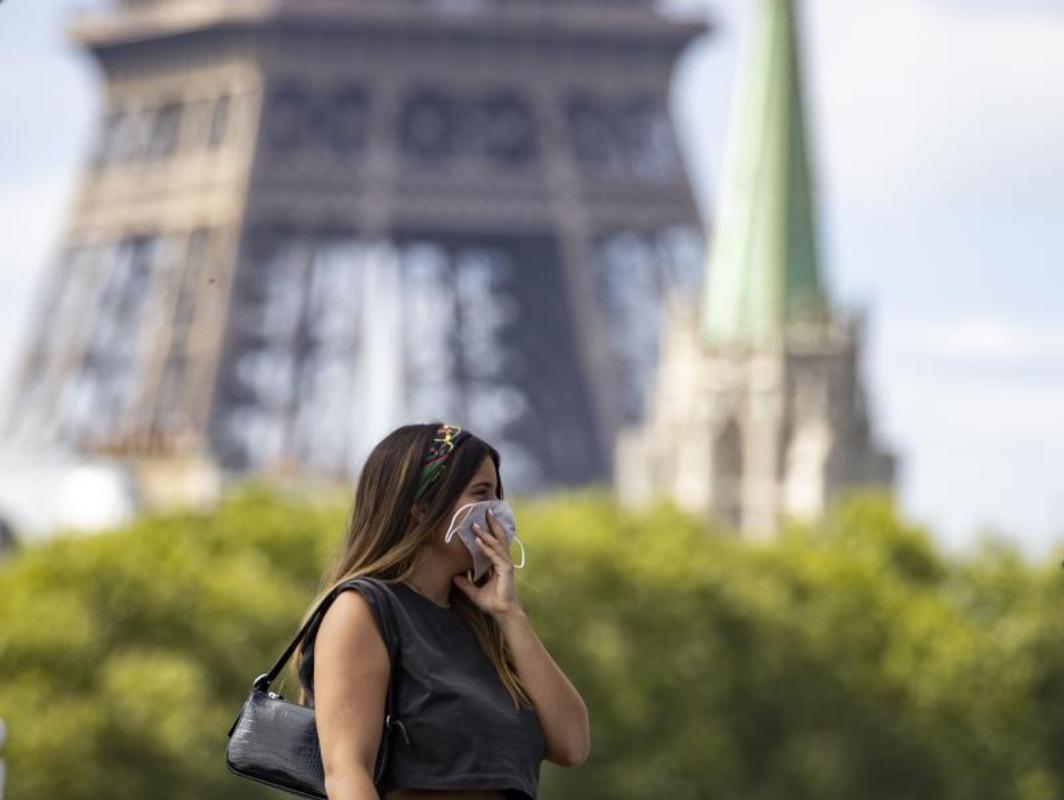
{"x":480,"y":700}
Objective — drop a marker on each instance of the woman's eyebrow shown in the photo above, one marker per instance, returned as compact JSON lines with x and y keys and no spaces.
{"x":482,"y":483}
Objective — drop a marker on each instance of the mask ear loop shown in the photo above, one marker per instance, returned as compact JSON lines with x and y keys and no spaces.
{"x":450,"y":533}
{"x":522,"y":546}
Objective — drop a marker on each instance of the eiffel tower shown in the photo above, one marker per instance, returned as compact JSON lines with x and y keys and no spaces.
{"x":305,"y":222}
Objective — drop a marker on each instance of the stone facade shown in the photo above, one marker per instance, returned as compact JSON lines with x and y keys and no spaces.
{"x":759,"y":410}
{"x":751,"y":438}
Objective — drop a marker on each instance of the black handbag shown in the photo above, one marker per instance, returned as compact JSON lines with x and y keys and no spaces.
{"x":275,"y":742}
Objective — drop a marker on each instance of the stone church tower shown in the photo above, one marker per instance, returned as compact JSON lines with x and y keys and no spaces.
{"x":758,"y":411}
{"x":309,"y":221}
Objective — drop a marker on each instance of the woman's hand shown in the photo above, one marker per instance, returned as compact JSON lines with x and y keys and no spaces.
{"x":498,"y":595}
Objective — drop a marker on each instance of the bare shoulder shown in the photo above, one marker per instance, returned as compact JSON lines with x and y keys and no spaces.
{"x":351,"y":667}
{"x":349,"y":625}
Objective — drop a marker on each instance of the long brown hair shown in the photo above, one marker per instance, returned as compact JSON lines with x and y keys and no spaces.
{"x":383,"y":537}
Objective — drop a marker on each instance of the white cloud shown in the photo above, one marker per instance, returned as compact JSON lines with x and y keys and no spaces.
{"x":1045,"y":10}
{"x":908,"y":98}
{"x":978,"y":376}
{"x":986,"y":410}
{"x":974,"y":405}
{"x":985,"y":339}
{"x":914,"y":100}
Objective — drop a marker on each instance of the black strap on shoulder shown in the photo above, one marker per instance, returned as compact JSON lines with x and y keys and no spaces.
{"x":263,"y":681}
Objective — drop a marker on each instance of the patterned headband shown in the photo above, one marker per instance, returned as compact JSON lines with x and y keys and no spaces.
{"x":446,"y":440}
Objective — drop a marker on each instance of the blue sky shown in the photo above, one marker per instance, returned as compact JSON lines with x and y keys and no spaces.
{"x":936,"y":131}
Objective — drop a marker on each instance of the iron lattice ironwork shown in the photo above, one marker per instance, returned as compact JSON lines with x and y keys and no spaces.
{"x":307,"y":223}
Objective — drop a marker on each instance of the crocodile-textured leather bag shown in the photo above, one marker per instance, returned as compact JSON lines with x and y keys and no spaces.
{"x":275,"y":742}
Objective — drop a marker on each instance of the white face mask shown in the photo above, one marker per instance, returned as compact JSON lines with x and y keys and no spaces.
{"x":477,"y":513}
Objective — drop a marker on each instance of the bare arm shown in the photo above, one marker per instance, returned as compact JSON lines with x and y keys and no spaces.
{"x":351,"y":665}
{"x":562,"y":712}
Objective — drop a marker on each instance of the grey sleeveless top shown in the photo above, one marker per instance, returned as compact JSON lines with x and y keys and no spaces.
{"x":463,"y":729}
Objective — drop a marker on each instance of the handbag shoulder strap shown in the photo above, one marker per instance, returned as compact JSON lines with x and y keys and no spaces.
{"x":376,"y":585}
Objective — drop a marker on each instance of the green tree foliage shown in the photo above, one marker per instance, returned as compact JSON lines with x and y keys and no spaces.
{"x":845,"y":659}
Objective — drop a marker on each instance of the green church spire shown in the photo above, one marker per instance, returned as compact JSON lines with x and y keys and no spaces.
{"x":762,"y":270}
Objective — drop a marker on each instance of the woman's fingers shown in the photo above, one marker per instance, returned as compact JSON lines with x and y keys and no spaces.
{"x":493,"y":546}
{"x":494,"y":526}
{"x":487,"y":548}
{"x":489,"y":541}
{"x":491,"y":535}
